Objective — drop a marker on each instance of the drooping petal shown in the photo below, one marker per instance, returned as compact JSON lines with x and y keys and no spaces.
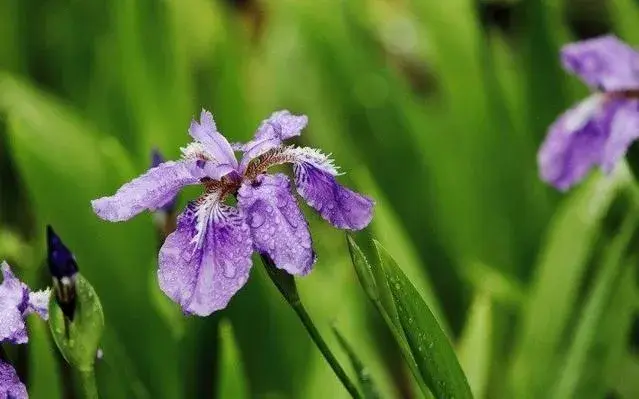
{"x":340,"y":206}
{"x":277,"y":225}
{"x":574,"y":143}
{"x":604,"y":62}
{"x":624,"y":130}
{"x":215,"y":144}
{"x":152,"y":190}
{"x":315,"y":177}
{"x":280,"y":126}
{"x":10,"y":385}
{"x":12,"y":327}
{"x":14,"y":297}
{"x":207,"y":259}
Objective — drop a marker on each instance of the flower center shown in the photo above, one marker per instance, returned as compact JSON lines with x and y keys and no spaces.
{"x":627,"y":94}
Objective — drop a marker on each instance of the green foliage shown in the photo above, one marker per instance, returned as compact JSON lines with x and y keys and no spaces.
{"x":233,"y":383}
{"x":429,"y":346}
{"x":426,"y":106}
{"x":369,"y":390}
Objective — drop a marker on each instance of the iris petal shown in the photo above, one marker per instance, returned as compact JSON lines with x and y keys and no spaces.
{"x":207,"y":259}
{"x":152,"y":190}
{"x":603,"y":63}
{"x":277,"y":225}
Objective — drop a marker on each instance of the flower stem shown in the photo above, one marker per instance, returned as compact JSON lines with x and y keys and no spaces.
{"x":286,"y":285}
{"x":88,"y":386}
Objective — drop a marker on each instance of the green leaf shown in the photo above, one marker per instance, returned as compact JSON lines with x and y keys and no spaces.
{"x":232,"y":381}
{"x":625,"y":14}
{"x":372,"y":279}
{"x":562,"y":264}
{"x":369,"y":390}
{"x":429,"y":345}
{"x":475,"y":346}
{"x":79,"y":339}
{"x":593,"y":311}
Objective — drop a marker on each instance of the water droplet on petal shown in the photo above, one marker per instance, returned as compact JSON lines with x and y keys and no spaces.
{"x":229,"y":270}
{"x":256,"y":219}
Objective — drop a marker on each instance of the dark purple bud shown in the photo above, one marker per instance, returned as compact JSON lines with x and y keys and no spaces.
{"x":63,"y":269}
{"x":156,"y":157}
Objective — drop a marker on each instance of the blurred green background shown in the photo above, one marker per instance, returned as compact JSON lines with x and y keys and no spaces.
{"x":435,"y":108}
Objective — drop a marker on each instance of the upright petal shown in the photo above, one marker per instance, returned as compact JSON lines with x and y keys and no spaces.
{"x":215,"y":144}
{"x":255,"y":148}
{"x":624,"y":130}
{"x":10,"y":385}
{"x":277,"y":225}
{"x":604,"y":62}
{"x":207,"y":259}
{"x":152,"y":190}
{"x":280,"y":126}
{"x":574,"y":144}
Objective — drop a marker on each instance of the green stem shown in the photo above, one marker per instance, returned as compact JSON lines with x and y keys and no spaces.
{"x":88,"y":385}
{"x":286,"y":285}
{"x":321,"y":345}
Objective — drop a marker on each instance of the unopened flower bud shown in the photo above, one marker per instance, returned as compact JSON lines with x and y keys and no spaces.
{"x":64,"y":270}
{"x":75,"y":315}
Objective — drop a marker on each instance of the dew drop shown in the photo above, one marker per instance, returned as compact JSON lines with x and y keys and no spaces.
{"x":256,"y":220}
{"x":229,"y":271}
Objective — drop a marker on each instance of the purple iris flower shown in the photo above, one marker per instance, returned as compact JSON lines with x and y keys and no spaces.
{"x":207,"y":259}
{"x":16,"y":302}
{"x":600,"y":129}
